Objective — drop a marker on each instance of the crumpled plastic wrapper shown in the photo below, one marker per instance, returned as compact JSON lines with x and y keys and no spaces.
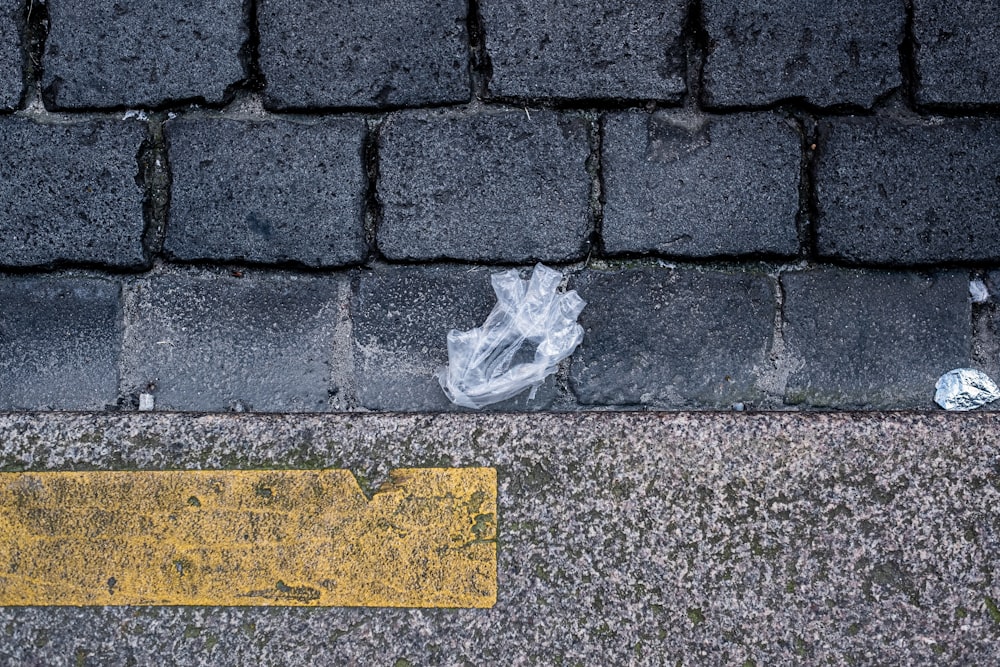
{"x":531,"y":311}
{"x":965,"y":389}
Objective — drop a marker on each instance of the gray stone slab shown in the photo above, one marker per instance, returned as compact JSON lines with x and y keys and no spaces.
{"x":873,"y":339}
{"x":673,"y":338}
{"x":103,"y":53}
{"x":401,"y":318}
{"x":215,"y":342}
{"x":272,"y":191}
{"x":824,"y":53}
{"x":60,"y":338}
{"x":685,"y":184}
{"x":363,"y":53}
{"x":606,"y":49}
{"x":930,"y":195}
{"x":957,"y":53}
{"x":623,"y":539}
{"x":11,"y":84}
{"x":68,"y":193}
{"x":490,"y":186}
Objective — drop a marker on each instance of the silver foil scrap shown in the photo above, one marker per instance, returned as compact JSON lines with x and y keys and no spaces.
{"x":965,"y":389}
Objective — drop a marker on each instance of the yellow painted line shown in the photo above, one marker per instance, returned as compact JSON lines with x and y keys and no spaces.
{"x":427,"y":538}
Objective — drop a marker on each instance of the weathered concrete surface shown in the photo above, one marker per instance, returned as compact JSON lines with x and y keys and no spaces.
{"x":624,"y":538}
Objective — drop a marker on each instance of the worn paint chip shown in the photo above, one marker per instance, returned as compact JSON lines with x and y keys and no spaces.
{"x":426,"y":538}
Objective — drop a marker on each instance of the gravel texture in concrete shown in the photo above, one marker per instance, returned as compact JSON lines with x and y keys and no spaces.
{"x":686,"y":184}
{"x":605,"y":49}
{"x":826,"y":54}
{"x":363,"y":53}
{"x":267,"y":192}
{"x":957,"y":52}
{"x":673,"y":339}
{"x":873,"y":339}
{"x":69,"y":192}
{"x":500,"y":185}
{"x":215,"y":341}
{"x":107,"y":53}
{"x":930,"y":196}
{"x":623,"y":539}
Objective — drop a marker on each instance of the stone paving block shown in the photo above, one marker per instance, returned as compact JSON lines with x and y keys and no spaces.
{"x":60,"y":339}
{"x":214,"y":342}
{"x":930,"y":195}
{"x":672,"y":338}
{"x":268,"y":192}
{"x":607,"y":49}
{"x":690,"y":185}
{"x":624,"y":539}
{"x":825,"y":53}
{"x":873,"y":339}
{"x":106,"y":53}
{"x":68,"y":192}
{"x":11,"y":12}
{"x":496,"y":186}
{"x":957,"y":52}
{"x":363,"y":53}
{"x":401,"y":318}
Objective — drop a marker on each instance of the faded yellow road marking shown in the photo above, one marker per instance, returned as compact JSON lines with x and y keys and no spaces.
{"x":427,"y":538}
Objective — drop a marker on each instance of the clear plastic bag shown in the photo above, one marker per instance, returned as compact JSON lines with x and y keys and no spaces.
{"x":531,"y":311}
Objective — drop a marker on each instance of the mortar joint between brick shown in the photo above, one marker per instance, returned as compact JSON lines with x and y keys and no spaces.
{"x":808,"y":215}
{"x":155,"y":178}
{"x":480,"y":65}
{"x":253,"y":77}
{"x":696,"y":41}
{"x":908,"y":71}
{"x":595,"y":169}
{"x":34,"y":33}
{"x":371,"y":213}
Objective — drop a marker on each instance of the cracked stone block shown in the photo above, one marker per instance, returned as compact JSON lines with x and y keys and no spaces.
{"x":823,"y":53}
{"x":873,"y":339}
{"x":493,"y":186}
{"x":215,"y":342}
{"x":113,"y":54}
{"x":69,"y":193}
{"x":60,"y":340}
{"x":363,"y":53}
{"x":267,"y":192}
{"x":673,"y":338}
{"x":11,"y":84}
{"x":594,"y":50}
{"x":930,"y":197}
{"x":401,"y":318}
{"x":957,"y":52}
{"x":685,"y":184}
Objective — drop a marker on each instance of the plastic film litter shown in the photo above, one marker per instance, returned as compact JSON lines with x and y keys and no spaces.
{"x":965,"y":389}
{"x":480,"y":370}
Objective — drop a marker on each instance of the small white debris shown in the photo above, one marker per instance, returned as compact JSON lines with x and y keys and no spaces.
{"x":146,"y":402}
{"x":978,"y":291}
{"x":965,"y":389}
{"x":135,"y":113}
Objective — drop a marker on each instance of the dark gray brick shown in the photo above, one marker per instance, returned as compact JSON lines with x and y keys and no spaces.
{"x":491,"y":186}
{"x":672,"y":338}
{"x":873,"y":339}
{"x":401,"y":318}
{"x":363,"y":53}
{"x":909,"y":192}
{"x":827,"y":53}
{"x":10,"y":53}
{"x":690,"y":185}
{"x":605,"y":49}
{"x":274,"y":191}
{"x":986,"y":332}
{"x":106,"y":53}
{"x":957,"y":51}
{"x":59,"y":343}
{"x":211,"y":342}
{"x":68,"y":192}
